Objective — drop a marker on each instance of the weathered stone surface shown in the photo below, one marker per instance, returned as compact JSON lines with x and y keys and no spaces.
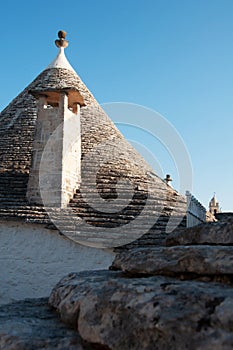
{"x":146,"y":313}
{"x":198,"y":259}
{"x":30,"y":325}
{"x":212,"y":233}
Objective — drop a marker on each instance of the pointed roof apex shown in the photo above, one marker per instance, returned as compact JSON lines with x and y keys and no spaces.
{"x":213,"y":201}
{"x":61,"y":61}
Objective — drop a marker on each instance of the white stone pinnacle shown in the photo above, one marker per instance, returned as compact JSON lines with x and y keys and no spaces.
{"x":61,"y":61}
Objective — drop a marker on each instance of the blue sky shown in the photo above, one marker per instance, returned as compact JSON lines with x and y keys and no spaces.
{"x":172,"y":56}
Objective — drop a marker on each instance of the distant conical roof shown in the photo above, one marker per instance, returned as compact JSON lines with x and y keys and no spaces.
{"x":17,"y":129}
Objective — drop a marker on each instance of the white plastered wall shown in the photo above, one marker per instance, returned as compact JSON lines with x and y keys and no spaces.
{"x":33,"y":259}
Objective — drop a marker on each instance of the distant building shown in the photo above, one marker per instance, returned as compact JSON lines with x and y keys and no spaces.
{"x":214,"y":206}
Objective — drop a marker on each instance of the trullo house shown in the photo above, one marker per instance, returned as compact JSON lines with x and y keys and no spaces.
{"x":71,"y":187}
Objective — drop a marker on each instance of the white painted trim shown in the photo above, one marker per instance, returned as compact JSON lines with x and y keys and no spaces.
{"x":61,"y":61}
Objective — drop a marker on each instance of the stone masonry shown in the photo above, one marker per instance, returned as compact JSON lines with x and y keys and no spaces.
{"x":56,"y":163}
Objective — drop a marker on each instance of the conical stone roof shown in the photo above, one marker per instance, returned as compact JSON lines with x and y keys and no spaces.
{"x":17,"y":130}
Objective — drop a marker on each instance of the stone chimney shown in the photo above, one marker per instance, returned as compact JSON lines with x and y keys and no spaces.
{"x":55,"y":172}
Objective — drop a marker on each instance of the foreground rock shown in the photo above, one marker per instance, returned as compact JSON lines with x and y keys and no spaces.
{"x":31,"y":325}
{"x":199,"y":259}
{"x":217,"y":233}
{"x":150,"y":313}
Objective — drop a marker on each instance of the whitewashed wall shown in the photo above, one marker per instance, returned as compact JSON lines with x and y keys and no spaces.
{"x":33,"y":259}
{"x":196,"y":212}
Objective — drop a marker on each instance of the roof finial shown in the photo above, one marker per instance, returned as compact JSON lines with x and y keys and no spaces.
{"x":61,"y":60}
{"x":61,"y":42}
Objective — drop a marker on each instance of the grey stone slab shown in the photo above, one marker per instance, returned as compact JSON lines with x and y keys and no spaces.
{"x":215,"y":233}
{"x":32,"y":325}
{"x":198,"y":259}
{"x":151,"y":313}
